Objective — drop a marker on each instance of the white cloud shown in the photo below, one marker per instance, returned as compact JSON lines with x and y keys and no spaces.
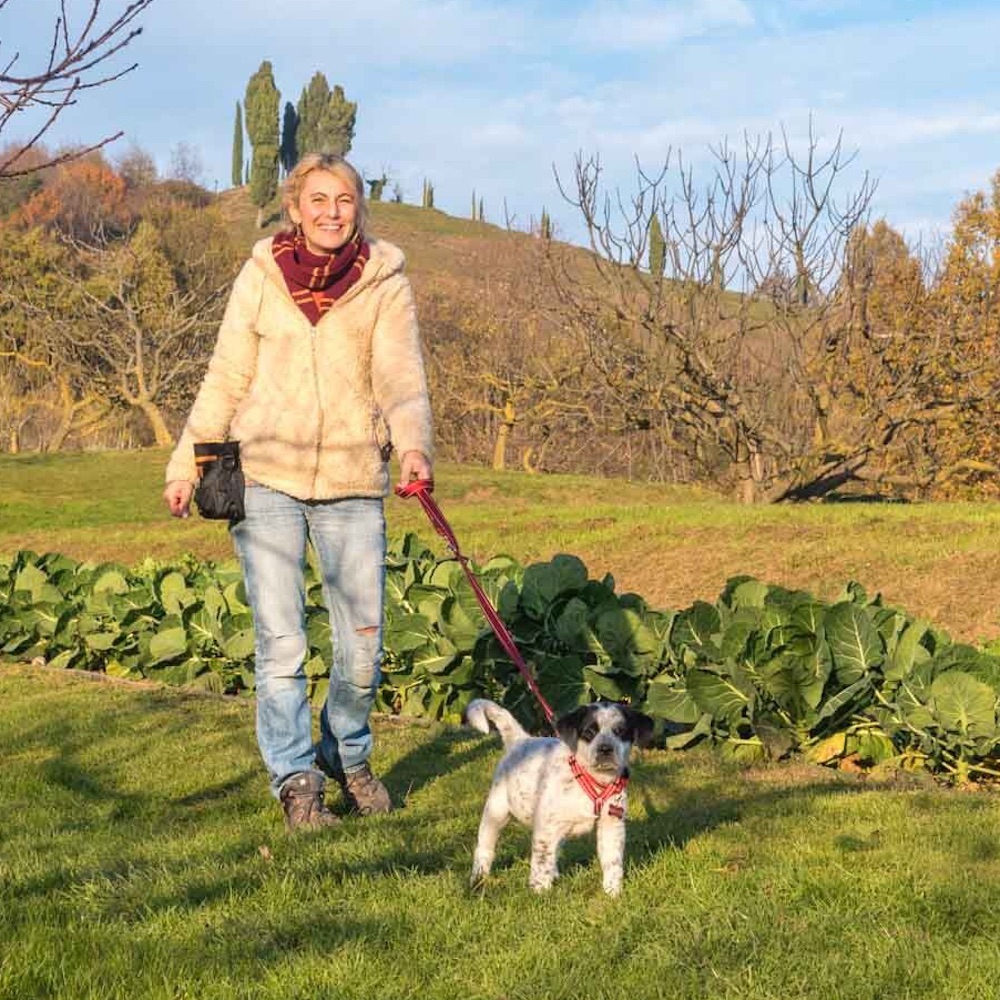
{"x":505,"y":135}
{"x":885,"y":127}
{"x":653,"y":24}
{"x":350,"y":37}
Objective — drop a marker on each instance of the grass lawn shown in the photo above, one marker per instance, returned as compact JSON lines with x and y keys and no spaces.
{"x":141,"y":856}
{"x":671,"y":545}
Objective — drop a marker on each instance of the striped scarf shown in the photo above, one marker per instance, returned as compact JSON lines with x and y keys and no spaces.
{"x":316,"y":281}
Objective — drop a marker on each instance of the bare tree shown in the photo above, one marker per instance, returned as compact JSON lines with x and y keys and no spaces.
{"x":716,"y":346}
{"x":44,"y":385}
{"x":505,"y":378}
{"x":79,"y":59}
{"x":143,"y":335}
{"x":120,"y":325}
{"x":186,"y":163}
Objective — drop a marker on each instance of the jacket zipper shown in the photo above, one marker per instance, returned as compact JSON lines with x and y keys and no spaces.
{"x":319,"y":404}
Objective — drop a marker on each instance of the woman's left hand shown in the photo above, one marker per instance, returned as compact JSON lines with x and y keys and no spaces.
{"x":414,"y":465}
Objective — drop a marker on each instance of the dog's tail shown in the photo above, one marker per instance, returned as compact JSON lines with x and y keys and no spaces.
{"x":481,"y":712}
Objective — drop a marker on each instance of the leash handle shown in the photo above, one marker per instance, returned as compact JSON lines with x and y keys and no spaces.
{"x":422,"y":489}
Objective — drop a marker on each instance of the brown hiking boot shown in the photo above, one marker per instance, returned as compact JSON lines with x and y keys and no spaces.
{"x":302,"y":800}
{"x":364,"y":793}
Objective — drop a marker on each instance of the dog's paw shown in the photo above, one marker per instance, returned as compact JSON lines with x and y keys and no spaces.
{"x":478,"y":877}
{"x":541,"y":882}
{"x":613,"y":887}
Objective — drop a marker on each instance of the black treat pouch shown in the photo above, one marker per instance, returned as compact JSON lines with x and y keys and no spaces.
{"x":219,"y":493}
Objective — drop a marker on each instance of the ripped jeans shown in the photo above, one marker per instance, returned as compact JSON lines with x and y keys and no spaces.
{"x":348,"y":537}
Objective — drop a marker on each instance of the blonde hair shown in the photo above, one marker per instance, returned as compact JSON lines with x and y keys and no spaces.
{"x":333,"y":164}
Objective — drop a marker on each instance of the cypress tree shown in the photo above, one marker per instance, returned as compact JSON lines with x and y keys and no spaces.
{"x":261,"y":113}
{"x":657,"y":248}
{"x":427,"y":201}
{"x":289,"y":130}
{"x":314,"y":99}
{"x":336,"y":126}
{"x":326,"y":119}
{"x":545,"y":227}
{"x":238,"y":147}
{"x":263,"y":179}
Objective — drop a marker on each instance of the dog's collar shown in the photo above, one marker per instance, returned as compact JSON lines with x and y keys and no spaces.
{"x":597,"y":791}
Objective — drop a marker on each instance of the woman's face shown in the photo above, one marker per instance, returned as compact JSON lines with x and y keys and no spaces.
{"x":326,"y":210}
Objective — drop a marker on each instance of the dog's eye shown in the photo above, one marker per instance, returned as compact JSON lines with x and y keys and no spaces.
{"x":620,"y":730}
{"x":588,"y":733}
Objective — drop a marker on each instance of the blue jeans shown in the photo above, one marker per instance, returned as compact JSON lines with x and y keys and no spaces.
{"x":348,"y":537}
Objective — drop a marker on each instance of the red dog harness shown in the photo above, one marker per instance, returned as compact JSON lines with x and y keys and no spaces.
{"x":598,"y":791}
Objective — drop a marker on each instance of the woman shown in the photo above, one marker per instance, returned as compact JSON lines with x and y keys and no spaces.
{"x":317,"y":372}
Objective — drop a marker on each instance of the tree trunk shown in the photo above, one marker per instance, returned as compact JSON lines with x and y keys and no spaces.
{"x":752,"y":474}
{"x":65,"y":424}
{"x":154,"y":417}
{"x":503,"y":436}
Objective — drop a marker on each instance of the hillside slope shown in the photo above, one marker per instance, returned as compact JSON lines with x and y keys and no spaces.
{"x":440,"y":249}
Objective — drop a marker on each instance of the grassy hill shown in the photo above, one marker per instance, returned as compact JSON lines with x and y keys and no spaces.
{"x":438,"y":247}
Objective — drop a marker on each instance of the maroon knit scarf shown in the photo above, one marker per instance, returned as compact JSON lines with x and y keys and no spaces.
{"x":316,"y":281}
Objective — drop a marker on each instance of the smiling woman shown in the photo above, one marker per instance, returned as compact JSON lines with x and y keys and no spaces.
{"x":318,"y":373}
{"x":325,"y":253}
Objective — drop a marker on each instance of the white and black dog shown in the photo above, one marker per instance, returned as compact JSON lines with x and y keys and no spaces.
{"x":561,"y":787}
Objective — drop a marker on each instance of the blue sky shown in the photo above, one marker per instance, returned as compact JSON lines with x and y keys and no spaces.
{"x":492,"y":95}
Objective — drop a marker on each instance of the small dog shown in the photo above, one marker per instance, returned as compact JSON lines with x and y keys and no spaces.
{"x":561,"y":787}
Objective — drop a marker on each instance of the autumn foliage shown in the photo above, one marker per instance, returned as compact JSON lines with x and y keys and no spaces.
{"x":109,"y":304}
{"x":839,"y":361}
{"x":81,"y":198}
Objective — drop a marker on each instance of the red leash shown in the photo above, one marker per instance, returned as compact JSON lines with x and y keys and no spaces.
{"x":598,"y":792}
{"x":421,"y":489}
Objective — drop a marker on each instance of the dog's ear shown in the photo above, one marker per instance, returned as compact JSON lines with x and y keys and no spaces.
{"x":642,"y":727}
{"x":568,"y":726}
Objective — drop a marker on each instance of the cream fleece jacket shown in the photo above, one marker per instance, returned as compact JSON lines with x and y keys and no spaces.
{"x":315,"y":409}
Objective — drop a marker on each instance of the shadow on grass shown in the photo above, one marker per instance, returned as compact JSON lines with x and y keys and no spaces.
{"x":444,"y":753}
{"x":88,"y":776}
{"x":691,"y":812}
{"x":669,"y":820}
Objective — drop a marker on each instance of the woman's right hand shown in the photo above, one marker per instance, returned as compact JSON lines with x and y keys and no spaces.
{"x":178,"y":497}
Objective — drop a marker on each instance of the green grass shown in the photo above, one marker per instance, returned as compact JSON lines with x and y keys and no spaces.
{"x":141,"y":856}
{"x":671,"y":545}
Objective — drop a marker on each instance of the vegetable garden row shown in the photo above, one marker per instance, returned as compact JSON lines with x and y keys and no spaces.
{"x":762,"y":672}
